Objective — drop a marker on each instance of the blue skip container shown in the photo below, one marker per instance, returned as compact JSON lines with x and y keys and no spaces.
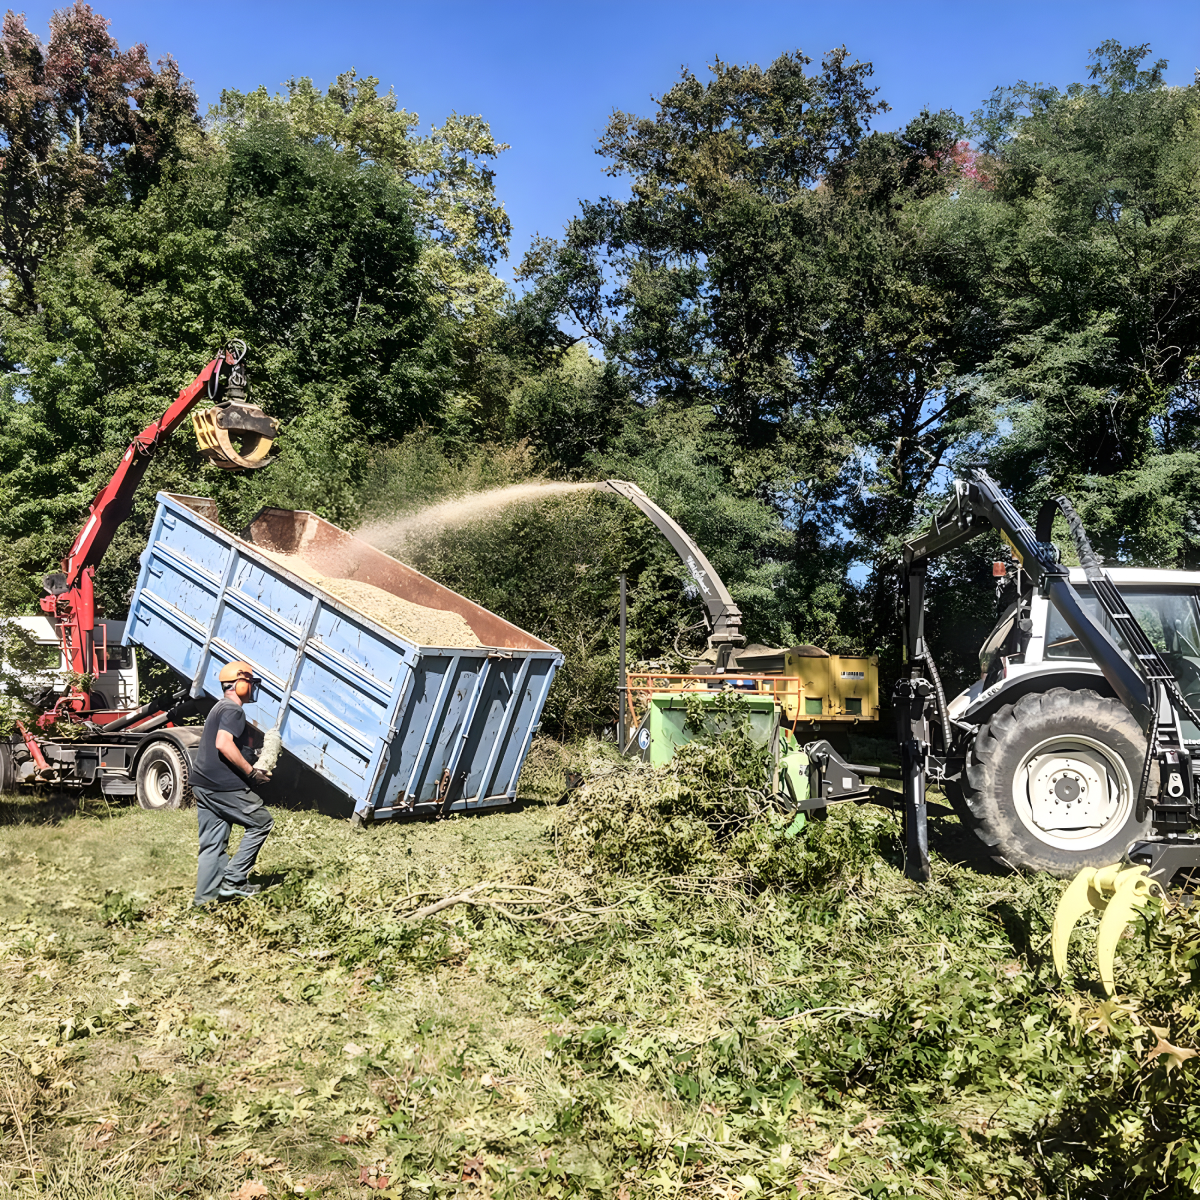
{"x":384,"y":717}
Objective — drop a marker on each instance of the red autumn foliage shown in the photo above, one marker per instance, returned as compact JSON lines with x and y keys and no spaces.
{"x":73,"y":113}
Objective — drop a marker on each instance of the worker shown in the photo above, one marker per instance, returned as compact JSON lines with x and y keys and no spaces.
{"x":220,"y":782}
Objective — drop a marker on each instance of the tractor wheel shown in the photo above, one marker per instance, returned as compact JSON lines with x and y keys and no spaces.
{"x":1051,"y":781}
{"x":162,"y":777}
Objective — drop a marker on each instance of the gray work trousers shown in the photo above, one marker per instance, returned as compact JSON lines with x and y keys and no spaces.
{"x":218,"y":813}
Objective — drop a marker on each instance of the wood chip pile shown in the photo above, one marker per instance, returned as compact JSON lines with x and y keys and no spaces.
{"x":415,"y":622}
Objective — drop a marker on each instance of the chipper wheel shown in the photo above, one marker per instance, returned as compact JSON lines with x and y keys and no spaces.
{"x":236,"y":437}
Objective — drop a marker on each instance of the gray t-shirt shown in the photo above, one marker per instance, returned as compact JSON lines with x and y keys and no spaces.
{"x":211,"y":769}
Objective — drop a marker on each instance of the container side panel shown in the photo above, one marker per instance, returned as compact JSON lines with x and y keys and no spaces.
{"x":529,"y":710}
{"x":182,"y":532}
{"x":272,"y":590}
{"x":254,"y":636}
{"x":195,"y":597}
{"x":325,"y":750}
{"x":326,"y":683}
{"x":362,"y":645}
{"x":159,"y":628}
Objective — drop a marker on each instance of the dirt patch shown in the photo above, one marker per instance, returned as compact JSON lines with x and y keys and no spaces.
{"x":416,"y":622}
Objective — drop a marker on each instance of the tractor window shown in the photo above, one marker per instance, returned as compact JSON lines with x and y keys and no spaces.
{"x":989,"y":655}
{"x":1170,"y":620}
{"x":1060,"y":641}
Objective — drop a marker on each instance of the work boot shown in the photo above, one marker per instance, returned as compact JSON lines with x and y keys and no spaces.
{"x":358,"y":823}
{"x":238,"y":891}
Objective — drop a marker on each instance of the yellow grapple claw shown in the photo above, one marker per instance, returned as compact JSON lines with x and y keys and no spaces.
{"x":1080,"y":895}
{"x":1116,"y":891}
{"x":1133,"y":893}
{"x":236,"y":436}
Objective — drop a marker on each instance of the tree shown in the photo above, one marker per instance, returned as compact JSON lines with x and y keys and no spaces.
{"x":462,"y":226}
{"x":1092,"y":268}
{"x":73,"y":115}
{"x":765,"y":270}
{"x":698,"y":283}
{"x":307,"y":252}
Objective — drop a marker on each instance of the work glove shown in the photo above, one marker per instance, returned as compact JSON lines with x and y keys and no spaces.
{"x":257,"y":776}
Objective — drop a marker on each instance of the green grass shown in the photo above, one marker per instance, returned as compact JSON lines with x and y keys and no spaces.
{"x":567,"y":1030}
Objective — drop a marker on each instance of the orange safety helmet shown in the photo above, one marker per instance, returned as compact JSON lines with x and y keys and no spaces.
{"x":239,"y":676}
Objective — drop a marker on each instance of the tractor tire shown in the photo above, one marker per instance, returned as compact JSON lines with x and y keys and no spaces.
{"x":1051,"y":782}
{"x":163,"y":777}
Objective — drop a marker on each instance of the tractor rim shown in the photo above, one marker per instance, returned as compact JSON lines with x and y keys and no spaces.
{"x":1073,"y":793}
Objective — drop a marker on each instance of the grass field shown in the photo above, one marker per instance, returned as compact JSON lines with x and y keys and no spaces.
{"x":562,"y":1029}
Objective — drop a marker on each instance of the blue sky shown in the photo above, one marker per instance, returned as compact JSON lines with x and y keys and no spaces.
{"x":547,"y":76}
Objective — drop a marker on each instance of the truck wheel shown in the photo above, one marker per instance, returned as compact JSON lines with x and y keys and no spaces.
{"x":162,"y":777}
{"x":1051,"y":781}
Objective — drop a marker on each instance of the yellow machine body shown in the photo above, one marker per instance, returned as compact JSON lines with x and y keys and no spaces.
{"x":836,"y":687}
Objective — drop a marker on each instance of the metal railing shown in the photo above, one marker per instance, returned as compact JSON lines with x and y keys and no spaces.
{"x":787,"y":691}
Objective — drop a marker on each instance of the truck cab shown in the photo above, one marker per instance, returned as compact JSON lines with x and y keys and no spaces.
{"x":45,"y":668}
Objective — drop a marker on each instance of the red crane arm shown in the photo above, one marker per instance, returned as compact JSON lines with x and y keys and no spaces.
{"x":72,"y":602}
{"x":114,"y":501}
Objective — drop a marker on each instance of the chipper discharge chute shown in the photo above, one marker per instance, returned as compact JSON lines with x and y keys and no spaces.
{"x":801,"y":685}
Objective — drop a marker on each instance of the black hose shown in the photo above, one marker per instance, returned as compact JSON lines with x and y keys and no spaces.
{"x":159,"y":703}
{"x":939,"y":699}
{"x":1088,"y":559}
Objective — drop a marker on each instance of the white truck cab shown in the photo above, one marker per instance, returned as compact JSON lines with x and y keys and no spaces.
{"x":116,"y":686}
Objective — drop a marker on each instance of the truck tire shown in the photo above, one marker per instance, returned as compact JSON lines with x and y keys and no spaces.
{"x":1051,"y":781}
{"x":163,"y":777}
{"x":8,"y":769}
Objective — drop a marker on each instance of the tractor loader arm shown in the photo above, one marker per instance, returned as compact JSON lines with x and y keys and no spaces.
{"x":722,"y":614}
{"x":978,"y":505}
{"x":1140,"y":680}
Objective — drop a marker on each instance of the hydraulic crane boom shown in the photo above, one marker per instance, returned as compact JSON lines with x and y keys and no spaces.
{"x":71,"y":593}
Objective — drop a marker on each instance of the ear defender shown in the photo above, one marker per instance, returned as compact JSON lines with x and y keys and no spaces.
{"x":239,"y":676}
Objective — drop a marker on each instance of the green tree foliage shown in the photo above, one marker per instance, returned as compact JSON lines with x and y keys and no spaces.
{"x":462,"y":226}
{"x":1084,"y":254}
{"x":762,"y":277}
{"x":307,"y":252}
{"x":75,"y":114}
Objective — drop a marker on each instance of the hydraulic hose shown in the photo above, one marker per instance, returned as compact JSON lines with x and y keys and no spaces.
{"x":158,"y":704}
{"x":1088,"y":559}
{"x":939,"y":699}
